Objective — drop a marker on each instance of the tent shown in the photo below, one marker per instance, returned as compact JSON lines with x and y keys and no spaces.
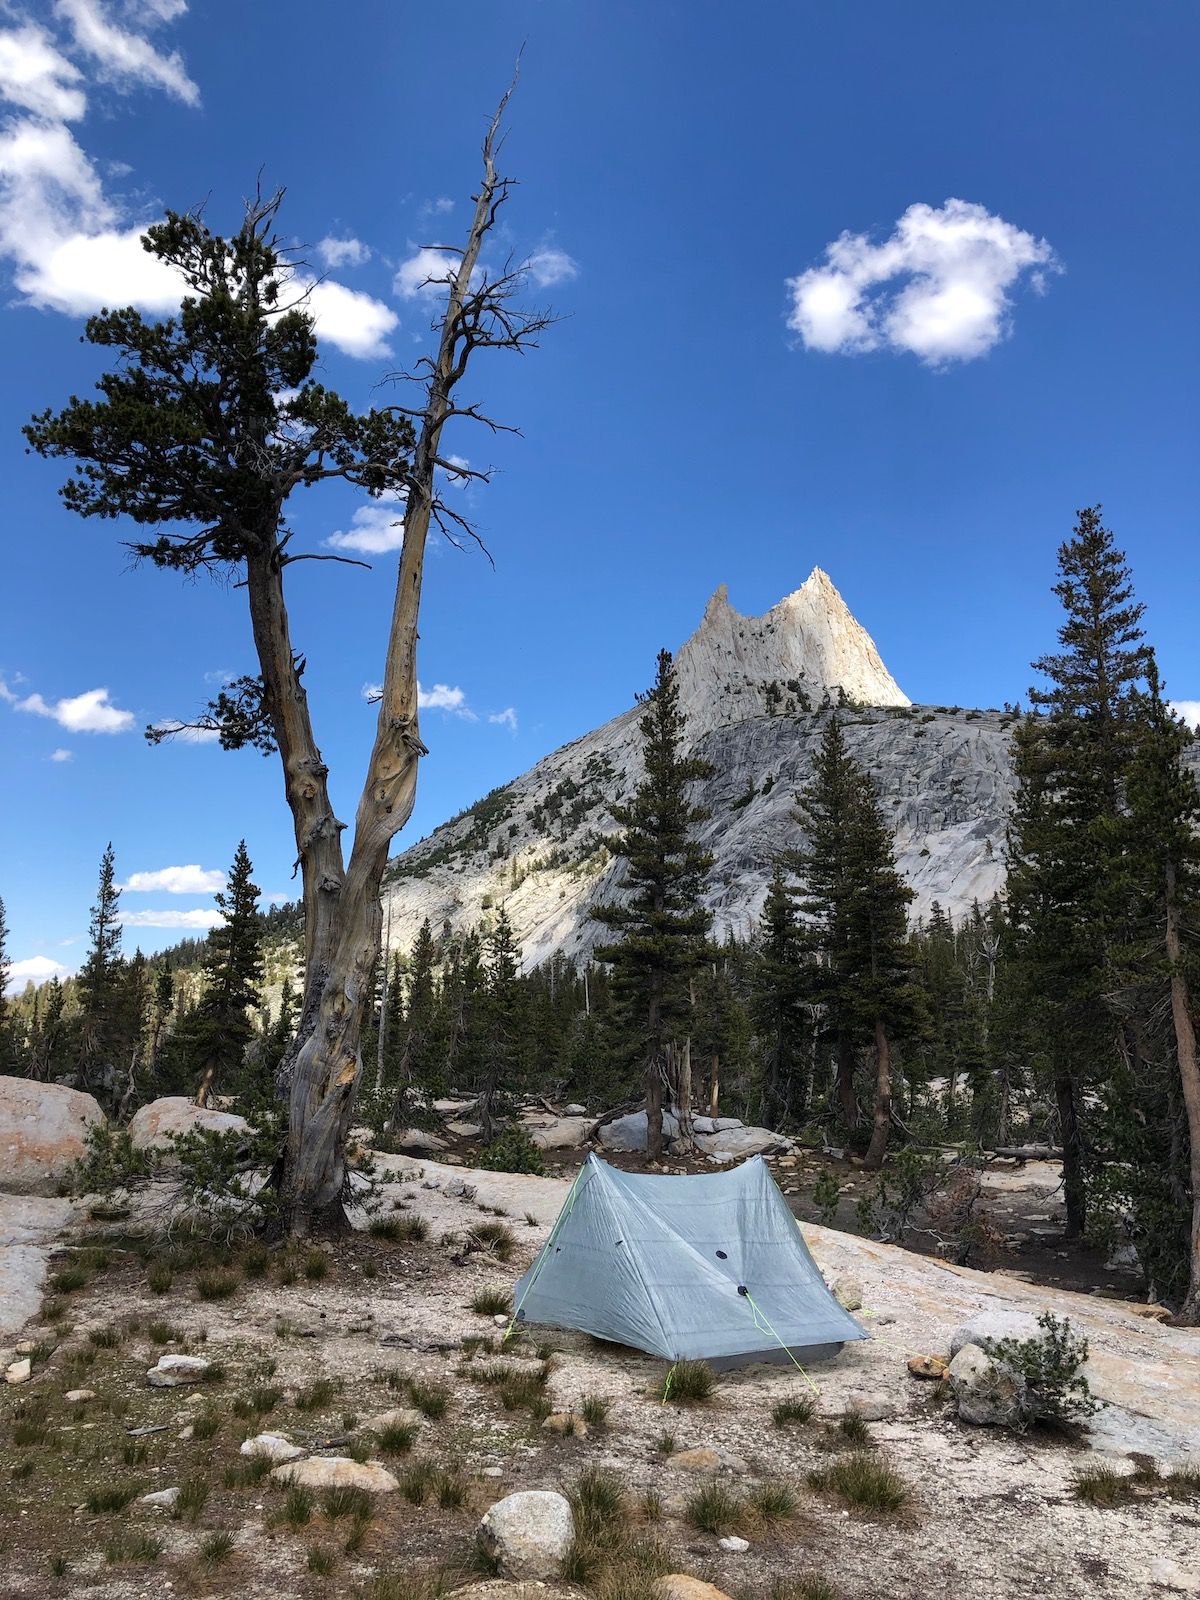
{"x":711,"y":1266}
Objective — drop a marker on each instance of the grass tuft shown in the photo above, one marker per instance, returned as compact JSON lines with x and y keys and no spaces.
{"x":800,"y":1408}
{"x":109,"y":1498}
{"x":688,"y":1383}
{"x":715,"y":1509}
{"x":316,"y":1265}
{"x":159,"y":1277}
{"x":497,"y":1238}
{"x":490,"y":1302}
{"x":396,"y":1438}
{"x":220,"y":1284}
{"x":316,"y":1395}
{"x":216,"y":1548}
{"x":347,"y":1502}
{"x":594,"y":1409}
{"x":124,"y":1545}
{"x":862,"y":1480}
{"x":191,"y":1499}
{"x":321,"y":1560}
{"x":853,"y":1428}
{"x":431,"y":1399}
{"x":772,"y":1504}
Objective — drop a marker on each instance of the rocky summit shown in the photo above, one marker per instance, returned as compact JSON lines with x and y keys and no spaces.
{"x":757,"y":693}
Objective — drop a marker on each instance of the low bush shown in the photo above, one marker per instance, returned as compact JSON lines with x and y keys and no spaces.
{"x":1051,"y":1365}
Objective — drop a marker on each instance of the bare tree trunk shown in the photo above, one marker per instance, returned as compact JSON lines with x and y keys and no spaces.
{"x":384,"y":997}
{"x":1072,"y":1147}
{"x":714,"y":1091}
{"x":1189,"y":1078}
{"x":679,"y":1082}
{"x":654,"y":1109}
{"x":342,"y":905}
{"x":845,"y":1081}
{"x":883,"y":1098}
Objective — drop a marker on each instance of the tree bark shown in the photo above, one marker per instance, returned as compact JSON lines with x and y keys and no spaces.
{"x":1189,"y":1078}
{"x":845,"y":1081}
{"x":883,"y":1098}
{"x":1072,"y":1148}
{"x":654,"y":1109}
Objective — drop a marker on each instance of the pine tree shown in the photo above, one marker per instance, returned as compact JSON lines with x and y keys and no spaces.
{"x":663,"y":926}
{"x":1068,"y":890}
{"x":503,"y":1036}
{"x":219,"y":1030}
{"x":99,"y":984}
{"x":778,"y":1004}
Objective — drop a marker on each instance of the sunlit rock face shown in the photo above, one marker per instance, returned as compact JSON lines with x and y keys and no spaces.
{"x":757,"y":693}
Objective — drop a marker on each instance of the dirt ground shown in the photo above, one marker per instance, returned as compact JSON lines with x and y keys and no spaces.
{"x":992,"y":1516}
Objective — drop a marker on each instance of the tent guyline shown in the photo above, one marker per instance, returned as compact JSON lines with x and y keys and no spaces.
{"x":707,"y":1266}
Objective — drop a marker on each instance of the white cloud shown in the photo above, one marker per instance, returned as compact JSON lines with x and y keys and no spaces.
{"x":435,"y":208}
{"x":937,"y":288}
{"x":36,"y":969}
{"x":343,"y":252}
{"x":6,"y":693}
{"x":372,"y":691}
{"x":61,"y":755}
{"x":506,"y":718}
{"x":37,"y":77}
{"x":90,"y":712}
{"x":357,"y":323}
{"x":199,"y":920}
{"x":180,"y":733}
{"x":1189,"y":710}
{"x":551,"y":265}
{"x":444,"y":698}
{"x":191,"y":879}
{"x":374,"y":529}
{"x":126,"y":58}
{"x":426,"y":273}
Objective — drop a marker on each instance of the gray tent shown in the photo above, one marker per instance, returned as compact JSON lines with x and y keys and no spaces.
{"x":710,"y":1266}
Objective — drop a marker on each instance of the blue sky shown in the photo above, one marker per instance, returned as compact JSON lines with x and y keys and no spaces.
{"x":724,"y":401}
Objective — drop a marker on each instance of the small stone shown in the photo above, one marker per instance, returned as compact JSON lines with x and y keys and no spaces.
{"x":18,"y":1371}
{"x":735,"y":1546}
{"x":492,"y":1472}
{"x":676,"y":1586}
{"x":988,"y":1392}
{"x":567,"y":1424}
{"x":186,"y":1433}
{"x":699,"y":1459}
{"x":274,"y":1446}
{"x":528,"y":1534}
{"x":337,"y":1472}
{"x":501,"y":1319}
{"x":165,"y":1498}
{"x":76,"y":1397}
{"x":928,"y":1366}
{"x":848,"y":1293}
{"x":869,"y":1407}
{"x":574,"y":1110}
{"x":400,"y":1417}
{"x":172,"y":1371}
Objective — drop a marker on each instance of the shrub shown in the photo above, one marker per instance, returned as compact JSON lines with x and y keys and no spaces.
{"x":490,"y":1302}
{"x":715,"y":1509}
{"x":862,"y":1480}
{"x":513,"y":1151}
{"x":826,"y":1193}
{"x":688,"y":1383}
{"x":1057,"y":1391}
{"x":798,"y":1409}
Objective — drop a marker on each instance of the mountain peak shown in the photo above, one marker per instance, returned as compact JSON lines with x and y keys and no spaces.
{"x":805,"y":648}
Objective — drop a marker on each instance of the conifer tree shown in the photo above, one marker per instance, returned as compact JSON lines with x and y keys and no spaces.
{"x":778,"y":1004}
{"x":99,"y":984}
{"x":219,"y":1030}
{"x":663,"y":926}
{"x":502,"y":1034}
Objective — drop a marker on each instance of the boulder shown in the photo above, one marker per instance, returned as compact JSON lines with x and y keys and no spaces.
{"x":528,"y":1534}
{"x":337,"y":1472}
{"x":928,"y":1366}
{"x":989,"y":1325}
{"x":464,"y":1130}
{"x":154,"y":1125}
{"x":413,"y":1140}
{"x":988,"y":1392}
{"x":164,"y":1499}
{"x":274,"y":1446}
{"x":848,"y":1293}
{"x":174,"y":1371}
{"x":79,"y":1397}
{"x":675,"y":1586}
{"x":629,"y":1132}
{"x":559,"y":1133}
{"x":454,"y":1108}
{"x":715,"y":1124}
{"x":42,"y":1131}
{"x":18,"y":1371}
{"x":733,"y":1143}
{"x":575,"y":1110}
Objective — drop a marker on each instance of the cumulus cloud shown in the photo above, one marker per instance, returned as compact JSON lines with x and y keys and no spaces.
{"x":34,"y":969}
{"x":200,"y":920}
{"x":938,"y":287}
{"x":374,"y":528}
{"x":444,"y":698}
{"x":550,"y":265}
{"x":1188,"y":710}
{"x":425,"y":273}
{"x":71,"y":247}
{"x":506,"y":718}
{"x":191,"y":879}
{"x":343,"y":252}
{"x":61,"y":755}
{"x":90,"y":712}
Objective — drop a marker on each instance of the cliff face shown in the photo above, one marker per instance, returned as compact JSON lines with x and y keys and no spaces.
{"x":757,"y":692}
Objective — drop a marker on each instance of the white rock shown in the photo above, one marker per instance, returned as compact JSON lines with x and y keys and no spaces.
{"x":337,"y":1472}
{"x":560,"y":1133}
{"x":274,"y":1446}
{"x":173,"y":1371}
{"x":42,"y":1131}
{"x":528,"y":1534}
{"x":18,"y":1371}
{"x":414,"y":1140}
{"x":76,"y":1397}
{"x":734,"y":1545}
{"x":464,"y":1130}
{"x":398,"y":1417}
{"x":153,"y":1126}
{"x":165,"y":1498}
{"x":735,"y":1142}
{"x":998,"y":1324}
{"x":574,"y":1111}
{"x":1171,"y":1575}
{"x":988,"y":1392}
{"x":629,"y":1132}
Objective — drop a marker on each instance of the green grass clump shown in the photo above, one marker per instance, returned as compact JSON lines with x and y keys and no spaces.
{"x":108,"y":1498}
{"x":688,"y":1383}
{"x":160,"y":1332}
{"x":255,"y":1260}
{"x":124,"y":1545}
{"x":497,"y":1238}
{"x":247,"y":1473}
{"x":1183,"y":1483}
{"x":853,"y":1428}
{"x":594,"y":1409}
{"x":316,"y":1265}
{"x":347,"y":1502}
{"x":297,"y":1508}
{"x":665,"y":1443}
{"x":216,"y":1548}
{"x":316,"y":1395}
{"x":526,"y":1391}
{"x":206,"y":1423}
{"x":772,"y":1504}
{"x":416,"y":1481}
{"x":413,"y":1584}
{"x":104,"y":1338}
{"x":431,"y":1399}
{"x":396,"y":1438}
{"x":321,"y":1560}
{"x":1102,"y":1486}
{"x":799,"y":1408}
{"x":191,"y":1499}
{"x":218,"y":1285}
{"x":861,"y":1479}
{"x":68,"y":1280}
{"x":715,"y":1509}
{"x":159,"y":1277}
{"x":400,"y":1230}
{"x":809,"y":1586}
{"x":490,"y":1302}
